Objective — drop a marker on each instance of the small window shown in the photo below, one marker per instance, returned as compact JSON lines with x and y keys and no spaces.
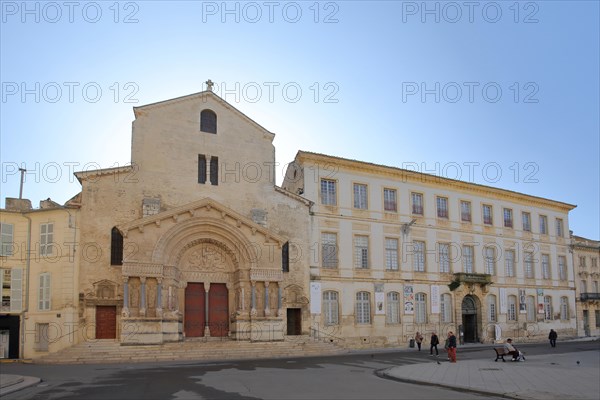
{"x":328,"y":192}
{"x":528,"y":261}
{"x":562,"y":268}
{"x":446,"y":308}
{"x":417,"y":203}
{"x":208,"y":121}
{"x":285,"y":257}
{"x":419,"y":256}
{"x":467,"y":253}
{"x":44,"y":292}
{"x":564,"y":308}
{"x":363,"y":308}
{"x":509,"y":262}
{"x":360,"y":196}
{"x":329,"y":256}
{"x":548,"y":308}
{"x":465,"y":211}
{"x":201,"y":168}
{"x":389,"y":200}
{"x":6,"y":239}
{"x":46,"y":239}
{"x":330,"y":307}
{"x":512,"y":308}
{"x":559,"y":227}
{"x":545,"y":266}
{"x":491,"y":300}
{"x":393,"y":308}
{"x":214,"y":171}
{"x":444,"y":257}
{"x":361,"y":251}
{"x":490,"y":260}
{"x":116,"y":247}
{"x":442,"y":207}
{"x":420,"y":308}
{"x":487,"y":215}
{"x":543,"y":225}
{"x":391,"y":254}
{"x":526,"y":221}
{"x":508,"y":218}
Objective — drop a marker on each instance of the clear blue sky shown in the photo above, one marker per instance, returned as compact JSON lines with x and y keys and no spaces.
{"x":465,"y":91}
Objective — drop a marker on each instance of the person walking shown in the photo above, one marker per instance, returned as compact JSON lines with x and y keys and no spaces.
{"x":452,"y":347}
{"x":434,"y":343}
{"x":553,"y":336}
{"x":419,"y":340}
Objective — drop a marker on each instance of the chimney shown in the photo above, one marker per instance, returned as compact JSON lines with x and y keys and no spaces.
{"x":13,"y":204}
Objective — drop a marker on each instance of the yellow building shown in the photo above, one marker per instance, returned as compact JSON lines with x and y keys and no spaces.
{"x":399,"y":251}
{"x":39,"y":254}
{"x":586,"y":253}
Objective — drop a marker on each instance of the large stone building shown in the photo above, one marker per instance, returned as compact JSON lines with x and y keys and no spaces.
{"x":401,"y":251}
{"x":586,"y":253}
{"x":195,"y":240}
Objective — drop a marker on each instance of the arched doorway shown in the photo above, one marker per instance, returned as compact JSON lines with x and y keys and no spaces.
{"x":470,"y":319}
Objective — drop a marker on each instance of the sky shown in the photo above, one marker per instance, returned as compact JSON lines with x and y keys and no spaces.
{"x":502,"y":93}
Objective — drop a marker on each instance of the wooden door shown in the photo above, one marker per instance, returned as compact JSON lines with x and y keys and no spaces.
{"x":218,"y":314}
{"x":194,"y":310}
{"x":106,"y":322}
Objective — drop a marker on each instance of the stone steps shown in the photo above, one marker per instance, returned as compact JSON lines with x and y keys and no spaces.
{"x":113,"y":352}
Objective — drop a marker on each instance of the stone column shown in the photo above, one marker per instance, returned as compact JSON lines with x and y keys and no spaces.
{"x":267,"y":308}
{"x":125,"y":311}
{"x":159,"y":297}
{"x":206,"y":308}
{"x":143,"y":296}
{"x":253,"y":299}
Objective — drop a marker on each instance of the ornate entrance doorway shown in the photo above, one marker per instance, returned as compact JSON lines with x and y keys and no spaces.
{"x":469,"y":319}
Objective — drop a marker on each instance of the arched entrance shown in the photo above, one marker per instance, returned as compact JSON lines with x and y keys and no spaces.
{"x":470,"y":319}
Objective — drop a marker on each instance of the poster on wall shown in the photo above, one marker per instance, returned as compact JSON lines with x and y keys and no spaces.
{"x":379,"y":299}
{"x":503,"y":305}
{"x":315,"y":297}
{"x":409,"y":300}
{"x":540,"y":296}
{"x":435,"y":299}
{"x":522,"y":305}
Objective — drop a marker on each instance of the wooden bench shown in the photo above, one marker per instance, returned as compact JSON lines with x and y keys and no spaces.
{"x":500,"y":354}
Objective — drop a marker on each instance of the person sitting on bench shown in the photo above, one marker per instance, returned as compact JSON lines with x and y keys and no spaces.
{"x":510,"y":349}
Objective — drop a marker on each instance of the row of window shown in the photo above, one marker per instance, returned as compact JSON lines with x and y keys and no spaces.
{"x":11,"y":284}
{"x":446,"y":255}
{"x":390,"y":204}
{"x":7,"y":239}
{"x":583,"y":263}
{"x":363,"y":315}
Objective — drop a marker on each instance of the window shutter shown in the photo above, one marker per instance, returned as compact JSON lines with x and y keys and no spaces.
{"x":201,"y":168}
{"x":285,"y":257}
{"x":214,"y":170}
{"x":16,"y":289}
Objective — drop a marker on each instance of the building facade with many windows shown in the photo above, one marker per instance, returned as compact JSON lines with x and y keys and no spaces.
{"x":39,"y":256}
{"x":396,"y":251}
{"x":586,"y":255}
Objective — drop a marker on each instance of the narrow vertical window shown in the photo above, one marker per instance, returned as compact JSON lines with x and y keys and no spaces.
{"x":116,"y":247}
{"x":442,"y":207}
{"x":543,"y":225}
{"x":562,"y":268}
{"x":559,"y":227}
{"x":329,"y":257}
{"x":491,"y":300}
{"x":444,"y":257}
{"x":446,"y":308}
{"x":487,"y":215}
{"x":509,"y":262}
{"x":363,"y":308}
{"x":419,"y":256}
{"x":564,"y":308}
{"x":548,"y":308}
{"x":16,"y":289}
{"x":285,"y":257}
{"x":526,"y":217}
{"x":512,"y":308}
{"x":208,"y":121}
{"x":545,"y":266}
{"x":490,"y":260}
{"x":330,"y":307}
{"x":393,"y":308}
{"x":201,"y":168}
{"x":328,"y":192}
{"x":361,"y":251}
{"x":44,"y":292}
{"x":214,"y":170}
{"x":46,"y":239}
{"x":391,"y":254}
{"x":531,"y":309}
{"x":417,"y":203}
{"x":508,"y":218}
{"x":467,"y":254}
{"x":389,"y":200}
{"x":6,"y":239}
{"x":528,"y":261}
{"x":420,"y":308}
{"x":360,"y":196}
{"x":465,"y":211}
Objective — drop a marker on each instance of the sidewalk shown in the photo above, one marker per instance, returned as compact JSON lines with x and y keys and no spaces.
{"x":12,"y":383}
{"x":539,"y":377}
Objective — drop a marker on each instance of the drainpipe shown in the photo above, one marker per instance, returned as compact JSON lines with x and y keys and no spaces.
{"x":27,"y":268}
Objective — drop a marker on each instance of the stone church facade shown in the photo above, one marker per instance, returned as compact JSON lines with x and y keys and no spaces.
{"x":194,"y":239}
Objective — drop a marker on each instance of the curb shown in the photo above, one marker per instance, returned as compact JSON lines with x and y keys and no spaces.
{"x":18,"y":383}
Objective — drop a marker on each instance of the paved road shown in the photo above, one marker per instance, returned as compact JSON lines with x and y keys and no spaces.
{"x":340,"y":377}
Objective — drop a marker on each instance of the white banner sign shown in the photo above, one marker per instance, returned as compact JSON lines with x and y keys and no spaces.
{"x":435,"y":299}
{"x":503,"y":305}
{"x":315,"y":297}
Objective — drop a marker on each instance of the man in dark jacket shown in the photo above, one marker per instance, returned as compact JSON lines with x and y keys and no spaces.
{"x":434,"y":343}
{"x":553,"y":336}
{"x":452,"y":347}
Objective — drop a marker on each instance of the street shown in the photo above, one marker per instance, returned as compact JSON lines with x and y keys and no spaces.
{"x":339,"y":377}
